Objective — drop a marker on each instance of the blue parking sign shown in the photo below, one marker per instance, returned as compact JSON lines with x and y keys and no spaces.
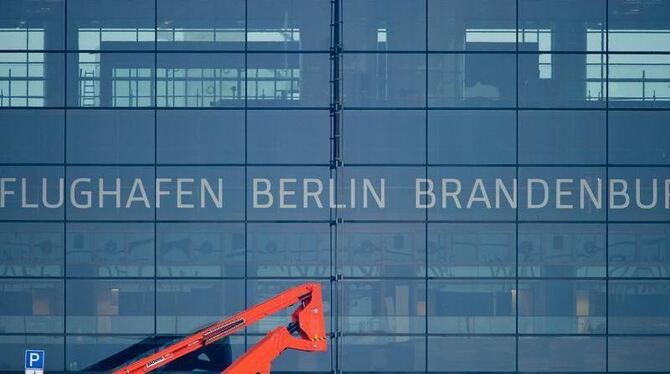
{"x":34,"y":359}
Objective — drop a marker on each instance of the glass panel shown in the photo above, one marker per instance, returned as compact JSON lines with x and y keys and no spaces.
{"x":31,"y":193}
{"x":384,"y":80}
{"x":288,"y":80}
{"x":465,"y":354}
{"x":639,"y":81}
{"x":103,"y":353}
{"x":452,"y":134}
{"x":464,"y":25}
{"x":31,"y":249}
{"x":383,"y":306}
{"x":201,"y":25}
{"x":31,"y":79}
{"x":563,"y":25}
{"x":384,"y":137}
{"x":471,"y":307}
{"x":561,"y":250}
{"x":562,"y":137}
{"x":471,"y":250}
{"x":105,"y":306}
{"x":105,"y":136}
{"x":185,"y":306}
{"x":288,"y":24}
{"x":382,"y":250}
{"x":282,"y":137}
{"x":562,"y":80}
{"x":31,"y":136}
{"x":561,"y":307}
{"x":471,"y":80}
{"x":200,"y":249}
{"x":32,"y":25}
{"x":389,"y":353}
{"x":31,"y":306}
{"x":562,"y":354}
{"x":383,"y":25}
{"x":288,"y":250}
{"x":293,"y":361}
{"x":200,"y":137}
{"x":639,"y":137}
{"x":639,"y":26}
{"x":13,"y":349}
{"x":200,"y":80}
{"x":110,"y":249}
{"x":633,"y":353}
{"x":639,"y":307}
{"x":639,"y":251}
{"x":639,"y":194}
{"x":110,"y":24}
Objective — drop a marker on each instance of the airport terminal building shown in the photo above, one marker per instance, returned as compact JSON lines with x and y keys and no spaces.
{"x":399,"y":152}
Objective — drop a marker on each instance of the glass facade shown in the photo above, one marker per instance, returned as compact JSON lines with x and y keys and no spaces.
{"x":337,"y":90}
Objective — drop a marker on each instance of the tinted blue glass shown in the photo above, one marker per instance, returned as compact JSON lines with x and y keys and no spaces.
{"x":561,"y":80}
{"x":32,"y":79}
{"x":385,"y":137}
{"x":111,"y":80}
{"x":200,"y":249}
{"x":32,"y":25}
{"x":638,"y":80}
{"x":24,"y":193}
{"x":288,"y":24}
{"x":471,"y":307}
{"x":200,"y":25}
{"x":382,"y":249}
{"x":471,"y":353}
{"x":88,"y":353}
{"x":280,"y":137}
{"x":14,"y":347}
{"x":641,"y":250}
{"x":639,"y":137}
{"x":471,"y":80}
{"x":564,"y":354}
{"x":562,"y":193}
{"x":632,"y":353}
{"x":288,"y":249}
{"x":384,"y":25}
{"x":383,"y":306}
{"x":563,"y":25}
{"x":639,"y":307}
{"x":184,"y":306}
{"x":384,"y":80}
{"x":562,"y":137}
{"x":31,"y":136}
{"x":561,"y":250}
{"x":472,"y":193}
{"x":110,"y":136}
{"x":207,"y":193}
{"x":31,"y":249}
{"x":561,"y":306}
{"x":639,"y":194}
{"x":106,"y":306}
{"x":110,"y":24}
{"x":200,"y":137}
{"x":471,"y":250}
{"x":31,"y":306}
{"x":110,"y":249}
{"x":86,"y":199}
{"x":471,"y":137}
{"x":465,"y":25}
{"x":383,"y":353}
{"x":638,"y":26}
{"x":292,"y":361}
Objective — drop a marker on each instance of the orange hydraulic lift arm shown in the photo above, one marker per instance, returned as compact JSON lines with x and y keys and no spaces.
{"x":307,"y":321}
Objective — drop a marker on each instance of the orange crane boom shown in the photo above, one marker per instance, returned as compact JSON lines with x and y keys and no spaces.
{"x":306,"y":332}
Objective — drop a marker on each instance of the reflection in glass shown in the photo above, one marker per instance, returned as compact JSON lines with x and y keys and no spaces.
{"x":639,"y":251}
{"x":31,"y":249}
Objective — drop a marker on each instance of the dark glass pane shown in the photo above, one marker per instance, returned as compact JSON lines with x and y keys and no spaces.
{"x":383,"y":354}
{"x":562,"y":137}
{"x":32,"y":25}
{"x":471,"y":250}
{"x":640,"y":250}
{"x":293,"y":361}
{"x":288,"y":250}
{"x":471,"y":137}
{"x":31,"y":249}
{"x":384,"y":137}
{"x":384,"y":80}
{"x":639,"y":137}
{"x":106,"y":306}
{"x":93,"y":354}
{"x":110,"y":137}
{"x":632,"y":353}
{"x":562,"y":354}
{"x":639,"y":307}
{"x":471,"y":80}
{"x":31,"y":136}
{"x":471,"y":353}
{"x":281,"y":137}
{"x":639,"y":25}
{"x":30,"y":306}
{"x":465,"y":25}
{"x":110,"y":249}
{"x":384,"y":25}
{"x":200,"y":249}
{"x":13,"y":348}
